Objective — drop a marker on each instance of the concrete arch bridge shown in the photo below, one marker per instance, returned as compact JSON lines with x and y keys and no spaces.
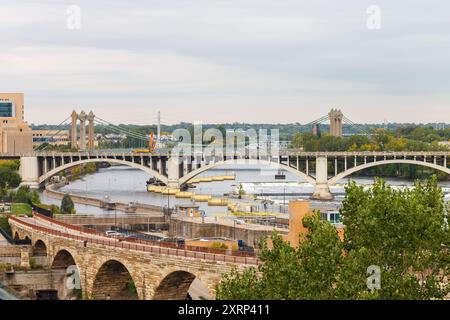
{"x":321,"y":169}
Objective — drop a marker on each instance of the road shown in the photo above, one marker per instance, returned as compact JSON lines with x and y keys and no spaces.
{"x":146,"y":246}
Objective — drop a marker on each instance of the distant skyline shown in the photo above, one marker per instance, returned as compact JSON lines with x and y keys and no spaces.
{"x":255,"y":61}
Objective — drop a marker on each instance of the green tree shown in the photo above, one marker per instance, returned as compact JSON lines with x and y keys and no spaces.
{"x":240,"y":191}
{"x":9,"y":178}
{"x":401,"y":232}
{"x":306,"y":272}
{"x":67,"y":205}
{"x":25,"y":195}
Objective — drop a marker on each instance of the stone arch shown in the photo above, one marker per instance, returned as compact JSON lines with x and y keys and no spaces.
{"x":65,"y":266}
{"x":20,"y":235}
{"x":345,"y":174}
{"x":59,"y":169}
{"x":177,"y":285}
{"x":275,"y":165}
{"x":39,"y":248}
{"x":114,"y":281}
{"x":63,"y":259}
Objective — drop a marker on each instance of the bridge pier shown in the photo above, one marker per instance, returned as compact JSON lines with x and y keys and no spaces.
{"x":173,"y":172}
{"x":322,"y":189}
{"x":29,"y":171}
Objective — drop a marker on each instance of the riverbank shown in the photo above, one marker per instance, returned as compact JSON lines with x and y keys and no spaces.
{"x":51,"y":191}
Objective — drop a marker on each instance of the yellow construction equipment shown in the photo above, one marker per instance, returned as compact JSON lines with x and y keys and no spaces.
{"x":151,"y":145}
{"x":184,"y":195}
{"x":201,"y":198}
{"x":217,"y":202}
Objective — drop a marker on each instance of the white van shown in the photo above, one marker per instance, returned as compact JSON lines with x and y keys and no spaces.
{"x":112,"y":233}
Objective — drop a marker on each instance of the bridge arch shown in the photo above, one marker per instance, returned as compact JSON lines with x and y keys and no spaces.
{"x":176,"y":285}
{"x":350,"y":171}
{"x":39,"y":248}
{"x":59,"y":169}
{"x":20,"y":235}
{"x":63,"y":259}
{"x":71,"y":281}
{"x":114,"y":281}
{"x":272,"y":164}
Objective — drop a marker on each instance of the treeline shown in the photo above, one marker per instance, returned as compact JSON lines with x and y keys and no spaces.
{"x":422,"y":132}
{"x":11,"y":192}
{"x":418,"y":139}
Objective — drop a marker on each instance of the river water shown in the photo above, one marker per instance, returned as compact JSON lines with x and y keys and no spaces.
{"x":124,"y":184}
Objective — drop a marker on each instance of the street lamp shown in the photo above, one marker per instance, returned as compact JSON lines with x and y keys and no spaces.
{"x":115,"y":217}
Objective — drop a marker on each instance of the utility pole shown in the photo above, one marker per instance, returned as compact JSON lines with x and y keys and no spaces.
{"x":168,"y":213}
{"x":158,"y":140}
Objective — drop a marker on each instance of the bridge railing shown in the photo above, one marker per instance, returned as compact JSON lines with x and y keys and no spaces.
{"x":146,"y":241}
{"x":144,"y":247}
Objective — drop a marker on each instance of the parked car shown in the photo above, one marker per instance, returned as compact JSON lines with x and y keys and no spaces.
{"x":112,"y":233}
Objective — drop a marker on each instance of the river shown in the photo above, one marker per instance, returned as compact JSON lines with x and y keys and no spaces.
{"x":124,"y":184}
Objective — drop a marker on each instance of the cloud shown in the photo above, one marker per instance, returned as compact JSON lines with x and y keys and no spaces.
{"x":223,"y":60}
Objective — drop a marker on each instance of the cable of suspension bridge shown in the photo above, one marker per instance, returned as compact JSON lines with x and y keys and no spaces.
{"x":317,"y":121}
{"x":116,"y":128}
{"x":120,"y":129}
{"x":354,"y":125}
{"x":39,"y":148}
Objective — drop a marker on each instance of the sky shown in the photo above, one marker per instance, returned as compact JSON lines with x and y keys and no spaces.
{"x":278,"y":61}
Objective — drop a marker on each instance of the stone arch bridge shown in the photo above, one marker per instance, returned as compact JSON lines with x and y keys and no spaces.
{"x":321,"y":169}
{"x":106,"y":266}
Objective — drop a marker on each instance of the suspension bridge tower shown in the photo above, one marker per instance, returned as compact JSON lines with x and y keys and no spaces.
{"x":81,"y":144}
{"x":336,"y":117}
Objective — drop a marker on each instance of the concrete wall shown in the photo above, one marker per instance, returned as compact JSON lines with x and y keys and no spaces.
{"x":51,"y":191}
{"x":17,"y":256}
{"x":27,"y":283}
{"x":191,"y":229}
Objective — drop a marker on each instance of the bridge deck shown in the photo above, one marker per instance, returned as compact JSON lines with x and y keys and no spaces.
{"x":286,"y":152}
{"x":55,"y":228}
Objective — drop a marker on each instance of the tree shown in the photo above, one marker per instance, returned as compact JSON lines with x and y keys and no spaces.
{"x":67,"y":205}
{"x":306,"y":272}
{"x":401,"y":233}
{"x":240,"y":191}
{"x":9,"y":178}
{"x":25,"y":195}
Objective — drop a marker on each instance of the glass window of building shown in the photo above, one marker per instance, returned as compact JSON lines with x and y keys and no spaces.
{"x":6,"y":109}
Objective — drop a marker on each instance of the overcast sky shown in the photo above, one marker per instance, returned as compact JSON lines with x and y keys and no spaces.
{"x":229,"y":60}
